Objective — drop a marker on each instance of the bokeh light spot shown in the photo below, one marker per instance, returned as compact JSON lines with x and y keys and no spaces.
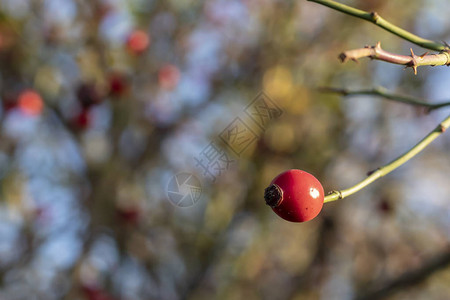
{"x":30,"y":103}
{"x":278,"y":82}
{"x":168,"y":77}
{"x":138,"y":41}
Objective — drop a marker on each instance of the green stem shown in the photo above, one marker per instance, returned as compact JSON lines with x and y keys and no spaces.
{"x":382,"y":92}
{"x":380,"y":172}
{"x":374,"y":18}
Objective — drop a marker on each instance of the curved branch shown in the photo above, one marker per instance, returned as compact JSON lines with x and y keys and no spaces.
{"x":413,"y":61}
{"x":376,"y":19}
{"x":386,"y":169}
{"x":413,"y":277}
{"x":382,"y":92}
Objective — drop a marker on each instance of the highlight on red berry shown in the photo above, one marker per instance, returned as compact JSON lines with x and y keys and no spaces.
{"x":295,"y":196}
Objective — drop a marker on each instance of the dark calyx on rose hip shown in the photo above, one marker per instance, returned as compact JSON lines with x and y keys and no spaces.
{"x":273,"y":195}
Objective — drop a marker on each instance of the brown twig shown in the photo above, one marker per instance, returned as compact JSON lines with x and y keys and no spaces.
{"x":439,"y":262}
{"x":413,"y":61}
{"x":382,"y":92}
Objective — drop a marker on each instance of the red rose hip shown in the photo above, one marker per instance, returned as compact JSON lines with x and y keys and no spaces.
{"x":138,"y":41}
{"x":295,"y":195}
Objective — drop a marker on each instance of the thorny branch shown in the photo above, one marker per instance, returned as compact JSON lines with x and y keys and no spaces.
{"x":413,"y":61}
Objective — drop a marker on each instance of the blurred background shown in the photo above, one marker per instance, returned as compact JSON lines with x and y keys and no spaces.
{"x":137,"y":137}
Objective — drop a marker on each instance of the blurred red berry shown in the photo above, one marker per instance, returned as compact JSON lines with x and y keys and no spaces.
{"x":83,"y":119}
{"x":168,"y":77}
{"x":295,"y":196}
{"x":95,"y":293}
{"x":129,"y":215}
{"x":9,"y":102}
{"x":138,"y":41}
{"x":30,"y":103}
{"x":117,"y":84}
{"x":88,"y":95}
{"x":384,"y":207}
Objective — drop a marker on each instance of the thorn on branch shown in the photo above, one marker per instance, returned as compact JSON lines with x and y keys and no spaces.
{"x":375,"y":16}
{"x":423,"y":55}
{"x":372,"y":171}
{"x":447,"y":46}
{"x":338,"y":193}
{"x":413,"y":62}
